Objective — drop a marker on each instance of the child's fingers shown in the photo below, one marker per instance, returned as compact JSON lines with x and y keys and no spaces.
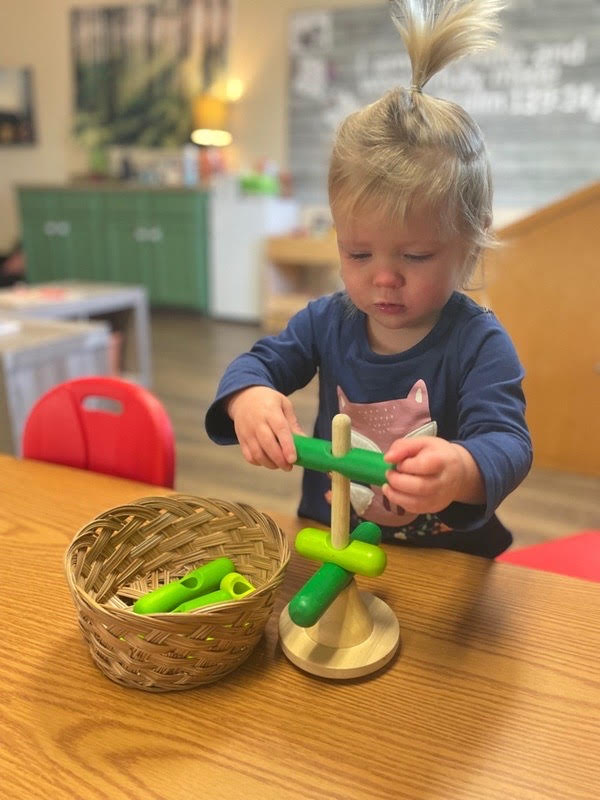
{"x":286,"y":442}
{"x":408,"y":502}
{"x":265,"y":437}
{"x":261,"y":448}
{"x":290,"y":415}
{"x":418,"y":458}
{"x":411,"y":485}
{"x":289,"y":425}
{"x":254,"y":454}
{"x":425,"y":463}
{"x":269,"y":438}
{"x":417,"y":505}
{"x":401,"y":449}
{"x":415,"y":495}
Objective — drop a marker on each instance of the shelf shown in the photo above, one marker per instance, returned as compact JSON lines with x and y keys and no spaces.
{"x":306,"y":251}
{"x":281,"y":308}
{"x":297,"y":269}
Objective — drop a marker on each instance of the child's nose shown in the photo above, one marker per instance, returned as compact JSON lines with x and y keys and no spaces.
{"x":386,"y":275}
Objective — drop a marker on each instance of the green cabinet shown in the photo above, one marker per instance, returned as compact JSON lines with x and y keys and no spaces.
{"x":62,"y":234}
{"x":156,"y":238}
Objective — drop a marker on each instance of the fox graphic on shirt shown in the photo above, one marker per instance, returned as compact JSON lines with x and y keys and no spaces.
{"x":374,"y":427}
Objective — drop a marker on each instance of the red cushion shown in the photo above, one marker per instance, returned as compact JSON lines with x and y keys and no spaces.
{"x":577,"y":556}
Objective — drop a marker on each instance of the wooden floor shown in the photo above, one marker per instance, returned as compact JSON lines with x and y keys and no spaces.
{"x":190,"y":354}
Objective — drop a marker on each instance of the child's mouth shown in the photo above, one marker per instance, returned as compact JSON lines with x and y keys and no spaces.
{"x":390,"y":308}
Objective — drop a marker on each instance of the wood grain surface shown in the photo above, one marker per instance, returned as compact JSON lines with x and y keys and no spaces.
{"x":495,"y":693}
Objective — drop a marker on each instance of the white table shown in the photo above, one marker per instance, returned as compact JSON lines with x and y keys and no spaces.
{"x":37,"y":354}
{"x":124,"y":307}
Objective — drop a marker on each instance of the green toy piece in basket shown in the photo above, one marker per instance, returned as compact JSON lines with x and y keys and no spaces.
{"x":232,"y":587}
{"x":198,"y":582}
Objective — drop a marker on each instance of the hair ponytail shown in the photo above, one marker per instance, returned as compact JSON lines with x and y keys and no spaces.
{"x":437,"y":33}
{"x":410,"y":147}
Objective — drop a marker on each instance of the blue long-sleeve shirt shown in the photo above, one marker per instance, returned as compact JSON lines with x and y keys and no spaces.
{"x":462,"y":382}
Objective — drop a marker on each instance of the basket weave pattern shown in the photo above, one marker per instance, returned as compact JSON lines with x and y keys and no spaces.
{"x":132,"y":549}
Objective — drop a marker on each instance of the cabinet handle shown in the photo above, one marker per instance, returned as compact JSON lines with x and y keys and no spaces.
{"x":154,"y":234}
{"x":57,"y":227}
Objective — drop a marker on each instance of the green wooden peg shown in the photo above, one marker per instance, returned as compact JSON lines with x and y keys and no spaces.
{"x":232,"y":587}
{"x":359,"y":557}
{"x":197,"y":582}
{"x":364,"y":466}
{"x":310,"y":603}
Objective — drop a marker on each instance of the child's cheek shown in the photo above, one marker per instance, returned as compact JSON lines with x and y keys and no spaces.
{"x":355,"y":286}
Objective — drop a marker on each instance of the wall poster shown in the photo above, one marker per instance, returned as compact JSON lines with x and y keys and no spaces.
{"x":136,"y":69}
{"x":16,"y":106}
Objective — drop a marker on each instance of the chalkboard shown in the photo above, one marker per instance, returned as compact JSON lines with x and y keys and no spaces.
{"x":536,"y":95}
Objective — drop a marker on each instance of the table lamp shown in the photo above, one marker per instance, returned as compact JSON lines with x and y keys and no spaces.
{"x":210,"y":121}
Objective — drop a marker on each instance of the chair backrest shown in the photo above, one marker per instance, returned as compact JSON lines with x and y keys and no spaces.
{"x":133,"y":440}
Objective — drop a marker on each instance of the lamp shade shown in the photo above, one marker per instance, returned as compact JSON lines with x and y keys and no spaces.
{"x":210,"y":117}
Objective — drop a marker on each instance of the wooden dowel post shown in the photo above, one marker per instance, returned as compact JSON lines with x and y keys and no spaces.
{"x":346,"y":622}
{"x":340,"y":486}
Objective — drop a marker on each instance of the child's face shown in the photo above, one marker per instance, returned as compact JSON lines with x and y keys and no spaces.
{"x":401,"y":276}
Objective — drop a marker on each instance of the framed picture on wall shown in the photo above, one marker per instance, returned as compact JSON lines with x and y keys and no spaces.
{"x":136,"y":68}
{"x":16,"y":106}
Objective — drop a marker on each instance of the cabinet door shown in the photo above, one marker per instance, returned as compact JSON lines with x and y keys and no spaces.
{"x":179,"y":239}
{"x":127,"y":220}
{"x":37,"y":223}
{"x":81,"y":246}
{"x":179,"y":265}
{"x":129,"y":256}
{"x":61,"y":234}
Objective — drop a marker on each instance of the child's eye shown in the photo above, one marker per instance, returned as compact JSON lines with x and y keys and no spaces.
{"x":358,"y":256}
{"x":418,"y":256}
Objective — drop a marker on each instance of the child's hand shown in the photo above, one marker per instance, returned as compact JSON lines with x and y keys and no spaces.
{"x":264,"y":421}
{"x":431,"y":473}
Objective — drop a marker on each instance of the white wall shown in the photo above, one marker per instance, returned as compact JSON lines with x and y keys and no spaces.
{"x":35,"y":33}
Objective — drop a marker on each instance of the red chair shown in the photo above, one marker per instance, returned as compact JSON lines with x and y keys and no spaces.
{"x":133,"y":440}
{"x":577,"y":556}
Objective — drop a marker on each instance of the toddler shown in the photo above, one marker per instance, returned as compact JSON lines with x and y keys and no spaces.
{"x":427,"y":376}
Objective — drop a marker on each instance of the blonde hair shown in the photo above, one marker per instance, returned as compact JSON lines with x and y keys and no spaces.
{"x":410,"y":149}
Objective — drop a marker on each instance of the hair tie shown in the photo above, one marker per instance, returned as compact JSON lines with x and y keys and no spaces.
{"x":414,"y":88}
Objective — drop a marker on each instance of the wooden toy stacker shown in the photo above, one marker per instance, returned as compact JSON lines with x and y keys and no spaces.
{"x":329,"y":628}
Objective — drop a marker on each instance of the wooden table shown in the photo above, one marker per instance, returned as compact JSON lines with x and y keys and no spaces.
{"x":494,"y":695}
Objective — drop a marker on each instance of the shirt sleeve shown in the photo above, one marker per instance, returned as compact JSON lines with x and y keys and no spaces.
{"x":491,"y":418}
{"x":285,"y":362}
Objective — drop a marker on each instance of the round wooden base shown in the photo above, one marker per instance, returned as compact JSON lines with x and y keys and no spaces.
{"x":343,"y":662}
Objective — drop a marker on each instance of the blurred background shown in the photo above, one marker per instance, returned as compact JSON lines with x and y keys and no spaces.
{"x":163,"y":205}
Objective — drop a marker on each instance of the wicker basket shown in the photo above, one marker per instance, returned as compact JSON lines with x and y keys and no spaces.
{"x":130,"y":550}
